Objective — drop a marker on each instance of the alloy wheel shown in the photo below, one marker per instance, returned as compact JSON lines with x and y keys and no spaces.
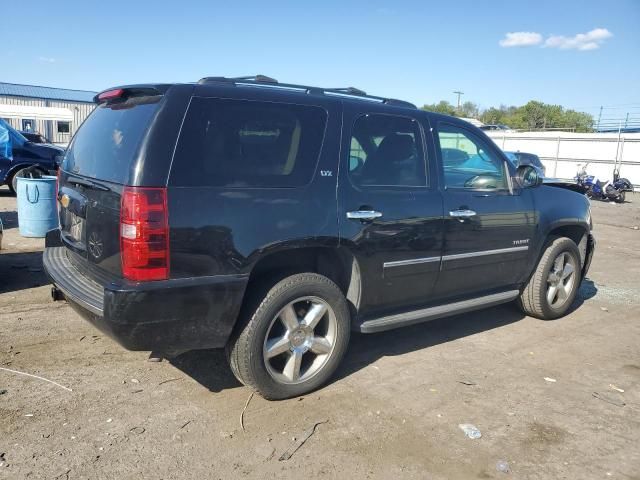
{"x":561,"y":280}
{"x":300,"y":340}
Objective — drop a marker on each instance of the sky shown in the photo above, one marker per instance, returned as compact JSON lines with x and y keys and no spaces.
{"x":577,"y":53}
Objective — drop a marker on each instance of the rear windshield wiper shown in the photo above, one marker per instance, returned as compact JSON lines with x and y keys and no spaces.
{"x":88,"y":184}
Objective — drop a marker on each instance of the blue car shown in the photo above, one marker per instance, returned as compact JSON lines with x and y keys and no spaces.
{"x":17,"y":153}
{"x":522,"y":158}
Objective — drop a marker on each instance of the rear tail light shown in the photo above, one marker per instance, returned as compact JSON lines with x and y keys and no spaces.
{"x":110,"y":94}
{"x":144,"y":234}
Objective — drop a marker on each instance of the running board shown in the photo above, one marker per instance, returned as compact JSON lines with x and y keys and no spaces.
{"x":425,"y":314}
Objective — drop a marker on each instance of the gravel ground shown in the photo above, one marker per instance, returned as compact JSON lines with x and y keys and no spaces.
{"x":547,"y":396}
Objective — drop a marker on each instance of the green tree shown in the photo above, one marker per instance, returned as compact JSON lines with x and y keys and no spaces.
{"x":494,"y":116}
{"x":441,"y":107}
{"x":537,"y":115}
{"x":581,"y":122}
{"x":534,"y":115}
{"x":469,"y":110}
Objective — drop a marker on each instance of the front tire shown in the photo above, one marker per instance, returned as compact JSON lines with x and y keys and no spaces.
{"x":554,"y":285}
{"x":293,"y":338}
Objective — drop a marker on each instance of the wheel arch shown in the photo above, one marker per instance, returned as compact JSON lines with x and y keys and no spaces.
{"x":336,"y":263}
{"x":14,"y":168}
{"x":577,"y":232}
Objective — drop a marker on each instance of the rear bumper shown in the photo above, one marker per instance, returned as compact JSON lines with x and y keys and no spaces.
{"x":165,"y":316}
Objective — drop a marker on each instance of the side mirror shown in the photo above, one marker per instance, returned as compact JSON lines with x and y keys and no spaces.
{"x":528,"y":176}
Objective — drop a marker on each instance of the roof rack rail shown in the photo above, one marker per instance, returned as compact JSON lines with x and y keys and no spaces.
{"x":251,"y":78}
{"x":263,"y":80}
{"x":347,"y":91}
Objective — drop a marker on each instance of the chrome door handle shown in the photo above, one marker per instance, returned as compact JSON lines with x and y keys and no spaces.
{"x":462,"y":213}
{"x":364,"y":214}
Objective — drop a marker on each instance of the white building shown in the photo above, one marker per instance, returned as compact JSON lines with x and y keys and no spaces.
{"x":55,"y":113}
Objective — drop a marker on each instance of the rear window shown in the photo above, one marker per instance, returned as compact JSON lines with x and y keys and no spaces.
{"x":242,"y":143}
{"x":108,"y":141}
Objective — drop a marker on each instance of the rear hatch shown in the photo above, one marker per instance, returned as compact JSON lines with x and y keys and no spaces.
{"x":100,"y":161}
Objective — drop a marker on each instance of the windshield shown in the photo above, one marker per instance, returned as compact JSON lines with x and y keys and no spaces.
{"x":108,"y":141}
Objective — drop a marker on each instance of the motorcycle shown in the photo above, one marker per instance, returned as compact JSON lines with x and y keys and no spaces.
{"x":596,"y":189}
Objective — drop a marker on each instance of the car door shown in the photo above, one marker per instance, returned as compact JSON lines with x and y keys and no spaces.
{"x":489,"y":226}
{"x":389,"y":207}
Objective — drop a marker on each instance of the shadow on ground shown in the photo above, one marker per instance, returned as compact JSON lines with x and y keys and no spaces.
{"x":211,"y":369}
{"x":9,"y":219}
{"x":5,"y":192}
{"x":587,"y":291}
{"x":208,"y":367}
{"x":21,"y":270}
{"x":366,"y":349}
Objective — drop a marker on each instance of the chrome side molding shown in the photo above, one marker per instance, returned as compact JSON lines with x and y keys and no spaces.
{"x":412,"y":261}
{"x":497,"y":251}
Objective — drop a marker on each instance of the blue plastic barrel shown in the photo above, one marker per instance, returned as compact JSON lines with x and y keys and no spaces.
{"x":37,"y":207}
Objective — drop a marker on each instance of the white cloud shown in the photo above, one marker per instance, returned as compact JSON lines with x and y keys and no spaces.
{"x":521,"y":39}
{"x":582,"y":41}
{"x":47,"y":59}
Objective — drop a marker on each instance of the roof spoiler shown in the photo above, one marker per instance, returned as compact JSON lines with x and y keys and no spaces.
{"x":124,"y":92}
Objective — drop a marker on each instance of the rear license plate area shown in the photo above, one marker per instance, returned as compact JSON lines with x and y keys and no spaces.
{"x":73,"y":226}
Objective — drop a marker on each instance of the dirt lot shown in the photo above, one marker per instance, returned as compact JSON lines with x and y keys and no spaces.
{"x":393,"y":410}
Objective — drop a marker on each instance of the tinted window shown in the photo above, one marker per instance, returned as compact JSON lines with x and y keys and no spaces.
{"x":242,"y":143}
{"x":108,"y":141}
{"x":468,"y":161}
{"x":386,"y":150}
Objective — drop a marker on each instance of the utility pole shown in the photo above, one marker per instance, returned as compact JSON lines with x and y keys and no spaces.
{"x":459,"y":93}
{"x":599,"y":118}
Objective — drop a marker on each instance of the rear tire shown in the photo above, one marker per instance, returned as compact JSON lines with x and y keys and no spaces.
{"x":291,"y":339}
{"x":12,"y":181}
{"x":554,"y":285}
{"x":621,"y":197}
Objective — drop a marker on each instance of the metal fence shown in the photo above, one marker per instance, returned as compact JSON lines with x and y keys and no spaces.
{"x":564,"y":153}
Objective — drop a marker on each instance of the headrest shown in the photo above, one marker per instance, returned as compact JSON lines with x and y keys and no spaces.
{"x":396,"y":147}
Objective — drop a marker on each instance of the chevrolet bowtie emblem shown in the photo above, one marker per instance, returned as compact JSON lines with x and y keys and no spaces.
{"x":64,"y":200}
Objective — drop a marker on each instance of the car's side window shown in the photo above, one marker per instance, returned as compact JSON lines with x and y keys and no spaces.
{"x":241,"y":143}
{"x":386,"y":150}
{"x":468,"y":161}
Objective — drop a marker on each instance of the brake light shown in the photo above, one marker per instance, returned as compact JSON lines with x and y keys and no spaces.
{"x":144,"y":233}
{"x":110,"y":94}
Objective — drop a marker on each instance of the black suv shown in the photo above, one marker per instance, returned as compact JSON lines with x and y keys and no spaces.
{"x":272,"y":219}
